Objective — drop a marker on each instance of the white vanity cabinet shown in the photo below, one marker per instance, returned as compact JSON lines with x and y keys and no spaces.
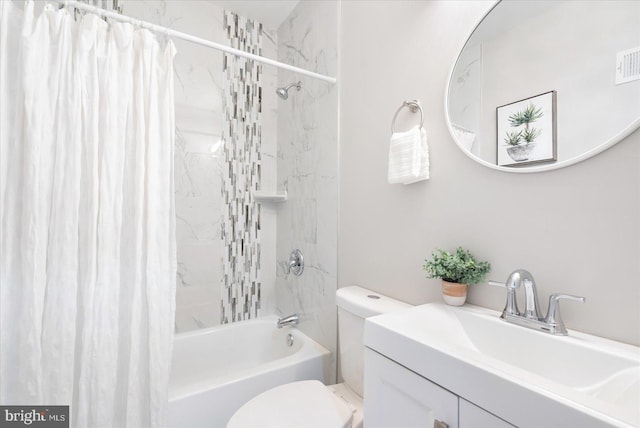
{"x":397,"y":397}
{"x":394,"y":396}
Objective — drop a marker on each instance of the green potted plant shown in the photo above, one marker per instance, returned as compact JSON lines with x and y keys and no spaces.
{"x":457,"y":271}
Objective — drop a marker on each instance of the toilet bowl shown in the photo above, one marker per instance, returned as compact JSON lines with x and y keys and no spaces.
{"x":306,"y":403}
{"x":310,"y":403}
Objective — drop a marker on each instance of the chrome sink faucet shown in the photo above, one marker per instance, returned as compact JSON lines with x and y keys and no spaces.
{"x":522,"y":278}
{"x":531,"y":317}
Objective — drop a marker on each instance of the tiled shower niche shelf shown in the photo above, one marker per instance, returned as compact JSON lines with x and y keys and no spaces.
{"x":266,"y":196}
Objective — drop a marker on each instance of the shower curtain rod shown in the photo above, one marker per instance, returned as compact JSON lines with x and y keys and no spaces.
{"x":193,"y":39}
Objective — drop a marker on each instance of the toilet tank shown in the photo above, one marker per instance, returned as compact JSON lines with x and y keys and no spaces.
{"x":354,"y":305}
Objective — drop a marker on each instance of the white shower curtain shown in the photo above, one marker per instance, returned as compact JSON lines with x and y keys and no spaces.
{"x":87,"y":256}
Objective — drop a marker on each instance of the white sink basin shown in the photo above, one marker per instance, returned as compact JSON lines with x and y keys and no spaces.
{"x":475,"y":354}
{"x":574,"y":361}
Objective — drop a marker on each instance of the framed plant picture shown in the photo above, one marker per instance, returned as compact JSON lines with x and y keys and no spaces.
{"x":526,"y":131}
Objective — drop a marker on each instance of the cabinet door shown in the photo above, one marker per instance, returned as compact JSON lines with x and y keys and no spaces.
{"x":394,"y":396}
{"x":472,"y":416}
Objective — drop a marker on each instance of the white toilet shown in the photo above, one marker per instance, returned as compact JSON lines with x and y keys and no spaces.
{"x":310,"y":403}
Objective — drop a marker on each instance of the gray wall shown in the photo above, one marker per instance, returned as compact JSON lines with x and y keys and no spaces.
{"x":576,"y":229}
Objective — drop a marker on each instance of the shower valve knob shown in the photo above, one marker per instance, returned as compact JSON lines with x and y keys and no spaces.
{"x":296,"y":263}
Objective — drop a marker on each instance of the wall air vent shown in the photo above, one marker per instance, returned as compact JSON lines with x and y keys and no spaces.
{"x":628,"y":65}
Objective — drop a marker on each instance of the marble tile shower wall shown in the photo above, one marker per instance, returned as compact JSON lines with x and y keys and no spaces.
{"x":308,"y":169}
{"x":198,"y":99}
{"x":199,"y":159}
{"x":304,"y":162}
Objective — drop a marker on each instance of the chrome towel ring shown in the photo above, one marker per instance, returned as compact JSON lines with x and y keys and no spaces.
{"x":414,"y":106}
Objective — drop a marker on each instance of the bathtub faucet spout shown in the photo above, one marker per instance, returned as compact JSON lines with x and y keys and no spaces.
{"x":290,"y":320}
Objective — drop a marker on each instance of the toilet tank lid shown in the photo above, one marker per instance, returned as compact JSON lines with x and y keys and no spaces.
{"x":366,"y":303}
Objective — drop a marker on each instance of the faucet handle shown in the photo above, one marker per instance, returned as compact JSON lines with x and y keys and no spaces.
{"x":511,"y":307}
{"x":559,"y":296}
{"x":553,"y":318}
{"x":496,"y":283}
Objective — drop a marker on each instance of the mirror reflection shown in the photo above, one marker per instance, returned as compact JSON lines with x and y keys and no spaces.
{"x":547,"y":83}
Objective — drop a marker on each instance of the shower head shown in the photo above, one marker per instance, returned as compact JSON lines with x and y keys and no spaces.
{"x":284,"y":92}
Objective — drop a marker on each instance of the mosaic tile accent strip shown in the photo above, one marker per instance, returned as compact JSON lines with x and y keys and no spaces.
{"x":242,"y":133}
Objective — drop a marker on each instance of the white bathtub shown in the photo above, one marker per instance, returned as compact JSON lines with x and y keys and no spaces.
{"x":216,"y":370}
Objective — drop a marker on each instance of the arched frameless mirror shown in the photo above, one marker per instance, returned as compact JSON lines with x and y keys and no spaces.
{"x":541,"y":85}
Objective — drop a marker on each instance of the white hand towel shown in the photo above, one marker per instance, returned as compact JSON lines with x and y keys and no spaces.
{"x":408,"y":156}
{"x":423,"y":174}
